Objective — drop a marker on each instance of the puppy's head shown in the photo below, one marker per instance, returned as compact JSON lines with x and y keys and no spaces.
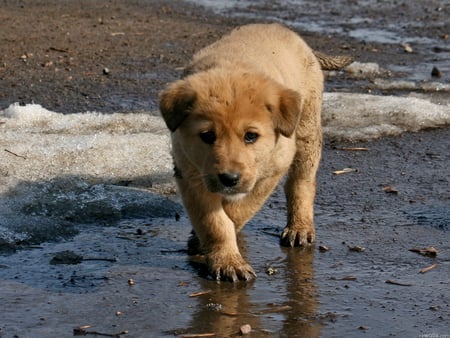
{"x":227,"y":125}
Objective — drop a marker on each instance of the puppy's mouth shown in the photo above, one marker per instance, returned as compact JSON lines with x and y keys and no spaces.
{"x":234,"y":197}
{"x":232,"y":191}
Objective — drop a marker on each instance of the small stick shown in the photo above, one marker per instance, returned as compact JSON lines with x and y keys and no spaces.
{"x":344,"y":171}
{"x":54,"y":49}
{"x":393,"y":282}
{"x":430,"y":251}
{"x":195,"y":335}
{"x":80,"y":331}
{"x":390,"y":189}
{"x":235,"y":314}
{"x":231,"y":314}
{"x":200,"y":293}
{"x":349,"y":278}
{"x":428,"y":268}
{"x":355,"y":148}
{"x":10,"y":152}
{"x":276,"y":309}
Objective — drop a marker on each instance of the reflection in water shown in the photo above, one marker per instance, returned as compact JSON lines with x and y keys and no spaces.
{"x":227,"y":307}
{"x":280,"y":305}
{"x":301,"y":320}
{"x":224,"y":310}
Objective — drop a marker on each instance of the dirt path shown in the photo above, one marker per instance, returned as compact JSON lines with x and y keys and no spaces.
{"x":115,"y":56}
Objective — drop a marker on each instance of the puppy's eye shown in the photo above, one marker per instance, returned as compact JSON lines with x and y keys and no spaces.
{"x":209,"y":137}
{"x":250,"y":137}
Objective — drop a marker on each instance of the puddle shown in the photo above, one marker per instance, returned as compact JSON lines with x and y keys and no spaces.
{"x":437,"y":216}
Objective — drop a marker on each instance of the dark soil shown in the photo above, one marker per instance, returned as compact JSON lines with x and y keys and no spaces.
{"x":109,"y":56}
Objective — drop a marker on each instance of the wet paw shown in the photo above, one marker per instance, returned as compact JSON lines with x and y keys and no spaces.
{"x":297,"y":237}
{"x":229,"y":267}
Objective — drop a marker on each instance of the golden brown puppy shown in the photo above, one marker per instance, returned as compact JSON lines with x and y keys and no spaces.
{"x":247,"y":113}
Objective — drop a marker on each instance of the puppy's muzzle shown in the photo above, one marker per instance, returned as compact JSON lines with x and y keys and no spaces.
{"x":229,"y":184}
{"x":229,"y":180}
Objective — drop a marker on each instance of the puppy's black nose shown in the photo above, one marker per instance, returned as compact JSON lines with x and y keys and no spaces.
{"x":229,"y":179}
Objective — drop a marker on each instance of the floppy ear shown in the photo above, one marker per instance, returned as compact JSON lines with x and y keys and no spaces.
{"x":287,"y":114}
{"x":175,"y":102}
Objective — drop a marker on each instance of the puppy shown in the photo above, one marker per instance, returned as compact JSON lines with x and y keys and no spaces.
{"x":246,"y":113}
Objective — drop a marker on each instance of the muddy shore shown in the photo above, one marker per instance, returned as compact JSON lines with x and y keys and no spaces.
{"x":135,"y":280}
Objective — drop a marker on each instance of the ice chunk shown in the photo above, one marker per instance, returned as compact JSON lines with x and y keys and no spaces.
{"x":363,"y":117}
{"x":50,"y":144}
{"x":363,"y":69}
{"x":61,"y":170}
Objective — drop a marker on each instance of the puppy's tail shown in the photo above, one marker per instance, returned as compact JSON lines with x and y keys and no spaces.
{"x":328,"y":62}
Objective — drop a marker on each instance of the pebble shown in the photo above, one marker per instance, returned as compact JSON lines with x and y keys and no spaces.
{"x":323,"y":248}
{"x":407,"y":48}
{"x":357,"y":248}
{"x":271,"y":271}
{"x":435,"y":72}
{"x":245,"y":329}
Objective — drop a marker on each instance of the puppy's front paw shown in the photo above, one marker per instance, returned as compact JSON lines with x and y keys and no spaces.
{"x":297,"y":236}
{"x":231,"y":267}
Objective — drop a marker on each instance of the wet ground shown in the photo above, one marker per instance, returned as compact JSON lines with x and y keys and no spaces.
{"x":128,"y":274}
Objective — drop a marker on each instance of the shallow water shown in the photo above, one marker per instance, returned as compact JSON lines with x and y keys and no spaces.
{"x":437,"y":216}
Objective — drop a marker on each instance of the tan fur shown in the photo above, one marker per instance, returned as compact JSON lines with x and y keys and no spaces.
{"x":258,"y":80}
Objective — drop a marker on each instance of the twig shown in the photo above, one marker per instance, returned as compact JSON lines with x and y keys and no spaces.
{"x":54,"y":49}
{"x":10,"y":152}
{"x":195,"y":335}
{"x":390,"y":189}
{"x":349,"y":278}
{"x":200,"y":293}
{"x":236,"y":314}
{"x":430,"y":251}
{"x":276,"y":309}
{"x":393,"y":282}
{"x":233,"y":314}
{"x":355,"y":148}
{"x":428,"y":268}
{"x":344,"y":171}
{"x":81,"y":331}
